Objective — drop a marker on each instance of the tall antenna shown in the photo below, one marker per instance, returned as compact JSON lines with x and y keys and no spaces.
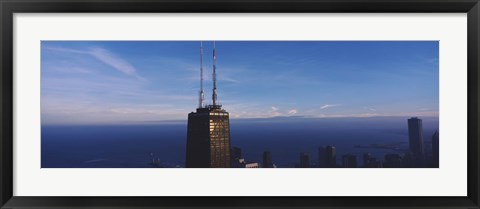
{"x":201,"y":95}
{"x":214,"y":95}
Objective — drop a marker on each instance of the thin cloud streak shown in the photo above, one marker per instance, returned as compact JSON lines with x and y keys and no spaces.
{"x":105,"y":57}
{"x":329,"y":106}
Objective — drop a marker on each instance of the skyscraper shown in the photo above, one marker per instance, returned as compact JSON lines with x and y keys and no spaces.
{"x":304,"y":160}
{"x":435,"y":150}
{"x":393,"y":161}
{"x":208,"y":134}
{"x":349,"y":161}
{"x":236,"y":153}
{"x":369,"y":161}
{"x":267,"y":160}
{"x":415,"y":136}
{"x":322,"y":157}
{"x":331,"y":157}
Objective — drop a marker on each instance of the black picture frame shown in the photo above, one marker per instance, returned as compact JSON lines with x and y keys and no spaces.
{"x":9,"y":7}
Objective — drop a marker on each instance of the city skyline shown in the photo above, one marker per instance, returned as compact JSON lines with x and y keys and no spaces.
{"x":109,"y":82}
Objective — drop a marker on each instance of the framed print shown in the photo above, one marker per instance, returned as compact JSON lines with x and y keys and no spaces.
{"x":264,"y":104}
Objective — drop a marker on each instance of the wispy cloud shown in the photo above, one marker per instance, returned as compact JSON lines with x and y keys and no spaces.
{"x":359,"y":115}
{"x":114,"y":61}
{"x":329,"y":106}
{"x":292,"y":112}
{"x":257,"y":111}
{"x":105,"y":57}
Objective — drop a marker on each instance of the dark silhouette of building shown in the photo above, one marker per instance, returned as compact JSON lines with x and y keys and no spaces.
{"x":267,"y":160}
{"x":242,"y":163}
{"x":371,"y":162}
{"x":235,"y":156}
{"x":236,"y":153}
{"x":435,"y":150}
{"x":208,"y":138}
{"x":349,"y":161}
{"x":392,"y":161}
{"x":415,"y":136}
{"x":304,"y":160}
{"x":208,"y":134}
{"x":408,"y":160}
{"x":331,"y":157}
{"x":322,"y":157}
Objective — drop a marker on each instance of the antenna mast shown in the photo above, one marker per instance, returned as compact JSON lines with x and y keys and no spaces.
{"x":201,"y":95}
{"x":214,"y":95}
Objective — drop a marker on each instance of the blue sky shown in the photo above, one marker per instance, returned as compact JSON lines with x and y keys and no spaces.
{"x":115,"y":82}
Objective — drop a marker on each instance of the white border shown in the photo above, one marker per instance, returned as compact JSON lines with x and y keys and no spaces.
{"x":449,"y":180}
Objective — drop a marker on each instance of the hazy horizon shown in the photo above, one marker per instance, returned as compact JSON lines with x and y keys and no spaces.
{"x":275,"y":119}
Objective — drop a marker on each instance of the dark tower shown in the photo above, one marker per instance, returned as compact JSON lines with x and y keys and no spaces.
{"x":208,"y":135}
{"x":435,"y":150}
{"x":304,"y":160}
{"x":267,"y":160}
{"x":415,"y":136}
{"x":322,"y":157}
{"x":236,"y":153}
{"x":331,"y":157}
{"x":349,"y":161}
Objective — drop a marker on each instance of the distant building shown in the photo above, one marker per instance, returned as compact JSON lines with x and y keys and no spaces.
{"x":408,"y":160}
{"x":415,"y":136}
{"x":331,"y":157}
{"x":267,"y":160}
{"x":371,"y":162}
{"x":235,"y":153}
{"x":252,"y":165}
{"x":367,"y":157}
{"x":322,"y":157}
{"x":435,"y":150}
{"x":393,"y":161}
{"x":241,"y":163}
{"x":304,"y":160}
{"x":349,"y":161}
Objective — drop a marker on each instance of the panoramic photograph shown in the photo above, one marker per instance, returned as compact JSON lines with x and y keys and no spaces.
{"x":240,"y":104}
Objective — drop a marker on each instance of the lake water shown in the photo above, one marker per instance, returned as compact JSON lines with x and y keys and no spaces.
{"x":132,"y":146}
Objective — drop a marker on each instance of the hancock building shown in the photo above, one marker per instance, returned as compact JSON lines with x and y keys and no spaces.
{"x":208,"y":136}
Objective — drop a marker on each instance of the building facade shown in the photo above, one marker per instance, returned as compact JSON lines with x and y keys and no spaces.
{"x":304,"y":160}
{"x":267,"y":159}
{"x":331,"y":157}
{"x":435,"y":150}
{"x":208,"y":138}
{"x":415,"y":136}
{"x":349,"y":161}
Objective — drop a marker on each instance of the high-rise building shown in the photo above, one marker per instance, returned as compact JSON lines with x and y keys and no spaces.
{"x":236,"y":153}
{"x":267,"y":159}
{"x":322,"y":157}
{"x":304,"y":160}
{"x":331,"y":157}
{"x":415,"y":136}
{"x":393,"y":161}
{"x":435,"y":150}
{"x":371,"y":162}
{"x":408,"y":160}
{"x":235,"y":156}
{"x":367,"y":159}
{"x":349,"y":161}
{"x":208,"y":134}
